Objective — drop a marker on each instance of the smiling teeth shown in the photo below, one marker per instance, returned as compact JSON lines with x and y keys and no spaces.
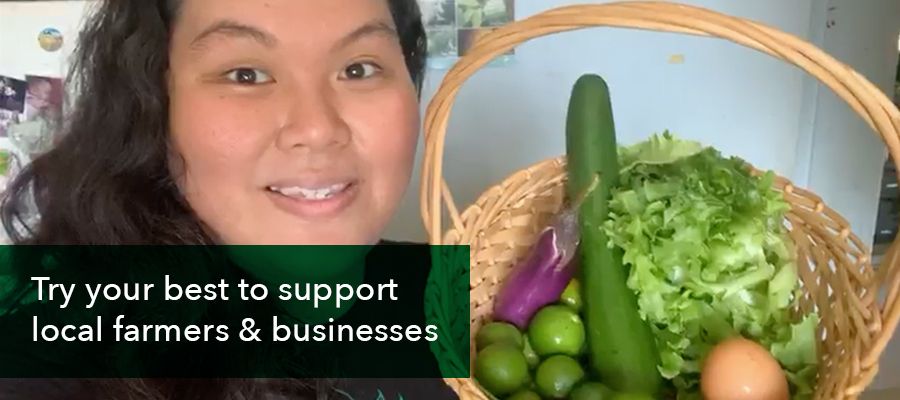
{"x":310,"y":194}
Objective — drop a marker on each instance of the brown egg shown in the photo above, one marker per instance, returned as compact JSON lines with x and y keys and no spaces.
{"x":741,"y":369}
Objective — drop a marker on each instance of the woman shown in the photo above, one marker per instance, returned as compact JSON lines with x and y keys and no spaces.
{"x":231,"y":122}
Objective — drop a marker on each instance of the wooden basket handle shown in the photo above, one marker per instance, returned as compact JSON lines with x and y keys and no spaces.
{"x":863,"y":97}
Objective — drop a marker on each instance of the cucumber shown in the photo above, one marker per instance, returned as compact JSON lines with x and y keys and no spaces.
{"x":621,"y":347}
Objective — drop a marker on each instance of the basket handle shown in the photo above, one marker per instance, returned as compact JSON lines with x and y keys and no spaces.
{"x":860,"y":94}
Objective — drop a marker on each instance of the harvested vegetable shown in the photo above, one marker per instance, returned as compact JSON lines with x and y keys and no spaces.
{"x":709,"y":258}
{"x":541,"y":277}
{"x":556,"y":329}
{"x":591,"y":391}
{"x":740,"y":369}
{"x":501,"y":369}
{"x":632,"y":396}
{"x":530,"y":356}
{"x":557,"y":376}
{"x":571,"y":296}
{"x":621,"y":347}
{"x":495,"y":332}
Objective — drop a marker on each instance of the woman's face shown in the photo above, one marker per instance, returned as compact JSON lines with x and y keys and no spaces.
{"x":292,"y":121}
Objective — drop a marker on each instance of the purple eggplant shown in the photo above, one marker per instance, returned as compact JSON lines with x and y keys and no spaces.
{"x":540,"y":278}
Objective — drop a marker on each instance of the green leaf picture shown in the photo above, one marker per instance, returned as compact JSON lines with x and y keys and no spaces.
{"x":447,"y":307}
{"x":453,"y":26}
{"x":482,"y":13}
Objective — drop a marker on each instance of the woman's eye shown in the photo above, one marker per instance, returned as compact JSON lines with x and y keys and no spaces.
{"x":248,"y":76}
{"x":360,"y":70}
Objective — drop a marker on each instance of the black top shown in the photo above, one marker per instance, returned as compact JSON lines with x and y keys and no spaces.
{"x":18,"y":352}
{"x":411,"y":273}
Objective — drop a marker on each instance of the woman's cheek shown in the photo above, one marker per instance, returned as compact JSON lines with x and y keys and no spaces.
{"x":390,"y":129}
{"x":219,"y":140}
{"x":226,"y":126}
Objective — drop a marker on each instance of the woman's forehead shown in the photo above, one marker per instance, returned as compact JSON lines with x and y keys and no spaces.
{"x":272,"y":21}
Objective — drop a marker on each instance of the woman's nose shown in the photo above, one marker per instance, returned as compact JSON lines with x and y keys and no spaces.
{"x":314,"y":120}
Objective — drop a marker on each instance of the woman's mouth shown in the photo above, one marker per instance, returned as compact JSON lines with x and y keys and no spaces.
{"x":311,"y":193}
{"x":313,"y":202}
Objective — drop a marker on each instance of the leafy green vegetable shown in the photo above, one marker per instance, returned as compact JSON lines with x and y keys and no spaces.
{"x":657,"y":150}
{"x":709,"y":258}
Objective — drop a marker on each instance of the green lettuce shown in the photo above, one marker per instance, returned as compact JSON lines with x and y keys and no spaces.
{"x":709,"y":258}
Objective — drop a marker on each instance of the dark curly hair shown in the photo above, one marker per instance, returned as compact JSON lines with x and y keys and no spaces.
{"x":107,"y":180}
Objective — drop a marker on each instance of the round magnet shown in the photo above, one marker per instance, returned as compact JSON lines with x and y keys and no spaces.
{"x":50,"y":39}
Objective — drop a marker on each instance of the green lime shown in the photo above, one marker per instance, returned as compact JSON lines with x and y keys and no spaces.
{"x":557,"y":375}
{"x":501,"y":369}
{"x":556,"y":329}
{"x":530,"y":356}
{"x":632,"y":396}
{"x":524,"y":395}
{"x":571,"y":296}
{"x":496,"y":332}
{"x":592,"y":391}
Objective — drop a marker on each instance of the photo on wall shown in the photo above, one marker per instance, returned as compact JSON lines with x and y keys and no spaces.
{"x":43,"y":98}
{"x":7,"y":119}
{"x":31,"y":110}
{"x":453,"y":26}
{"x":483,"y":13}
{"x":12,"y":94}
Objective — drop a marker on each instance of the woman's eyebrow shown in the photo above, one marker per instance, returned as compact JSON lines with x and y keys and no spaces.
{"x":235,"y":29}
{"x":376,"y":27}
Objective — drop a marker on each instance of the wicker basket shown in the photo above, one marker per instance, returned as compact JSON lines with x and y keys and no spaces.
{"x":503,"y":223}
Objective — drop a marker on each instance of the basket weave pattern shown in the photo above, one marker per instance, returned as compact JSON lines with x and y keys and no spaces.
{"x":834,"y":265}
